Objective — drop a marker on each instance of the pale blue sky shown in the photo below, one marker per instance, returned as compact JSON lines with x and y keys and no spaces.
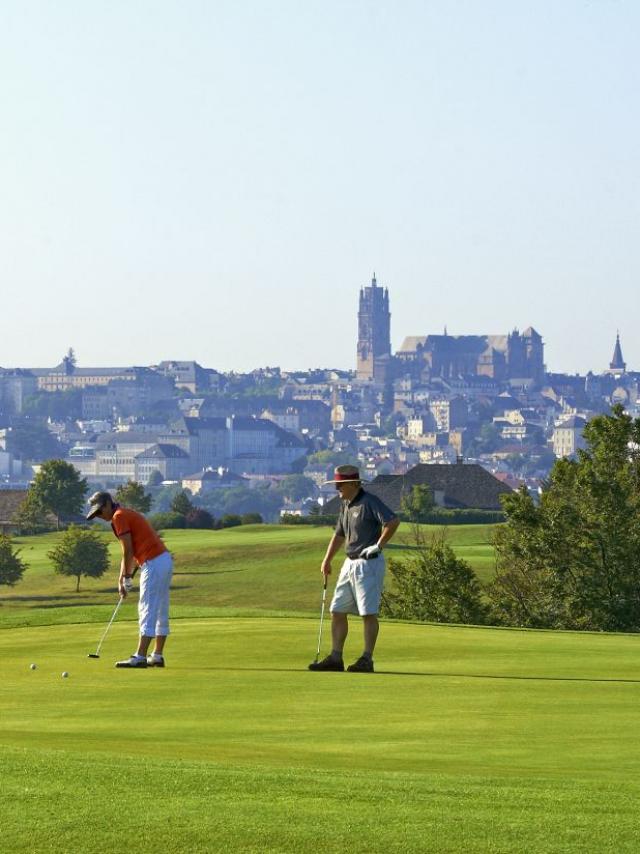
{"x":216,"y":180}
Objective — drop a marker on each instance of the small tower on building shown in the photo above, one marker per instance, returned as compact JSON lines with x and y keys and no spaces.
{"x":617,"y":365}
{"x":374,"y":333}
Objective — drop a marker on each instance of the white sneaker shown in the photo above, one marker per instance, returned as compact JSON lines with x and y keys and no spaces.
{"x":134,"y":661}
{"x":155,"y":660}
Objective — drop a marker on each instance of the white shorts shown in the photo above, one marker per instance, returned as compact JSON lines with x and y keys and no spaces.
{"x":153,"y":604}
{"x":359,"y":587}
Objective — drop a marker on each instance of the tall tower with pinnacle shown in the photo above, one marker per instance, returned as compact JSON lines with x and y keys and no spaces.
{"x":617,"y":365}
{"x":374,"y":333}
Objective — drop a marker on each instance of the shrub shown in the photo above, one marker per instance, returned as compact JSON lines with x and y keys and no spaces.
{"x":199,"y":518}
{"x":231,"y":520}
{"x":161,"y":521}
{"x":432,"y":584}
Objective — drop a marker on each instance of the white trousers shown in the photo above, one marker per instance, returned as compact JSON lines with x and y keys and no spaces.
{"x":153,"y":604}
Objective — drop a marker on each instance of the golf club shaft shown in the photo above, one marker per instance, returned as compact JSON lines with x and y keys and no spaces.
{"x":106,"y":631}
{"x":324,"y":599}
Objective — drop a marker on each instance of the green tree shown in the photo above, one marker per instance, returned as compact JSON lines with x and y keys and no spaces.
{"x":434,"y":585}
{"x":155,"y":479}
{"x":160,"y":521}
{"x":55,"y":404}
{"x":295,"y":487}
{"x":418,"y":503}
{"x":182,"y":503}
{"x":131,"y":494}
{"x":59,"y":488}
{"x":573,"y":561}
{"x":32,"y":517}
{"x":163,"y":498}
{"x":198,"y":517}
{"x":488,"y":439}
{"x":12,"y":566}
{"x":31,"y":440}
{"x":81,"y":551}
{"x":327,"y":457}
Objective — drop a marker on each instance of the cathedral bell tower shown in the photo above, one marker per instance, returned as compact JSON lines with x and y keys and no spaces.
{"x":374,"y":333}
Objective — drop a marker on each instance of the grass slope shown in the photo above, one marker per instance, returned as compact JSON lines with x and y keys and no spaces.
{"x":465,"y":740}
{"x":270,"y":567}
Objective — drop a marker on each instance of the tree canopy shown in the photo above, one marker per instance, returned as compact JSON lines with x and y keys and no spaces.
{"x":12,"y":566}
{"x":59,"y":488}
{"x":573,"y":561}
{"x":81,"y":551}
{"x":418,"y":503}
{"x":131,"y":494}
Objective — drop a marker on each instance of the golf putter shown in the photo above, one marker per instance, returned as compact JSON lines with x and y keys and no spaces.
{"x":324,"y":599}
{"x":96,"y":654}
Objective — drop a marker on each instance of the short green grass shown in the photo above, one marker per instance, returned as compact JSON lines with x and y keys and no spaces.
{"x":465,"y":740}
{"x":269,"y":567}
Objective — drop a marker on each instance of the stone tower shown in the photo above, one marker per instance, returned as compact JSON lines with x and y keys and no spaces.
{"x":374,"y":333}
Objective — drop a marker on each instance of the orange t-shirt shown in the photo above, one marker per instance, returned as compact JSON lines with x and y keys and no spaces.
{"x":146,"y":543}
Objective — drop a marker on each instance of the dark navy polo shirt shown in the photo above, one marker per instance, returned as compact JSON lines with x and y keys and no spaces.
{"x":361,"y":520}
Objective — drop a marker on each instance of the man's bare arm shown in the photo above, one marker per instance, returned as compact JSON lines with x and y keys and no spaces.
{"x":388,"y":531}
{"x":335,"y":544}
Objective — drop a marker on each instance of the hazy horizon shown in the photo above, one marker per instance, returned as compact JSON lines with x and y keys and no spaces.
{"x":217,"y":181}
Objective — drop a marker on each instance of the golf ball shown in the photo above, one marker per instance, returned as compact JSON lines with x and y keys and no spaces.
{"x":64,"y":674}
{"x":32,"y":666}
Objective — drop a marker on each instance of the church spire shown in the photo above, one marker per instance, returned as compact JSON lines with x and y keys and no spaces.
{"x":617,"y":364}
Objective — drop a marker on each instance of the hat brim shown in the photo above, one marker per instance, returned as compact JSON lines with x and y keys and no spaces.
{"x":93,"y":513}
{"x":345,"y":480}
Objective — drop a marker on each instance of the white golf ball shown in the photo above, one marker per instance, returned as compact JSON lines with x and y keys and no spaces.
{"x":32,"y":666}
{"x":65,"y":674}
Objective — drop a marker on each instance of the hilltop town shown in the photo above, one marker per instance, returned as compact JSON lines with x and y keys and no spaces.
{"x":441,"y":399}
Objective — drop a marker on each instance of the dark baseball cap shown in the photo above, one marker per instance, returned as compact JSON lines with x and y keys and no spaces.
{"x":97,"y":501}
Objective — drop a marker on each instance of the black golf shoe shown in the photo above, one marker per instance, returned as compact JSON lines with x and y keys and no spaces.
{"x":327,"y":663}
{"x":134,"y":661}
{"x":362,"y":665}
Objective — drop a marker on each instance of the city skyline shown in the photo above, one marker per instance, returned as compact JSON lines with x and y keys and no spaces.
{"x":217,"y":182}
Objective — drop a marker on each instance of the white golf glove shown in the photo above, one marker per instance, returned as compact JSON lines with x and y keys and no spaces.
{"x":127,"y":583}
{"x":371,"y":552}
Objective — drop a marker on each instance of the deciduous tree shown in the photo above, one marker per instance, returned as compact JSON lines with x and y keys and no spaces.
{"x":131,"y":494}
{"x":59,"y":488}
{"x":574,"y":561}
{"x":81,"y":551}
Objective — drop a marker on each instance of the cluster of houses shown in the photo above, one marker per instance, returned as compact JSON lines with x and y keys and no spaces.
{"x":439,"y":400}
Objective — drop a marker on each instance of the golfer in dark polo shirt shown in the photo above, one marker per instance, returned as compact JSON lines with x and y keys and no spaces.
{"x":365,"y":525}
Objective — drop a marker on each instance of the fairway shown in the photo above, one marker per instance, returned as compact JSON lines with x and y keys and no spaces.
{"x":465,"y":740}
{"x":264,"y":567}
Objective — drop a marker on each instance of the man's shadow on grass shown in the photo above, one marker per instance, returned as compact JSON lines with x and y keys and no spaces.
{"x":431,"y":675}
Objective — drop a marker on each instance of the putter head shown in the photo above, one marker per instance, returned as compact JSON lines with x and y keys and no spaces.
{"x":93,"y":655}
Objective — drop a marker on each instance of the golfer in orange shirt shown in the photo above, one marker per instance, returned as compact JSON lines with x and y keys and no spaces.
{"x":141,"y":546}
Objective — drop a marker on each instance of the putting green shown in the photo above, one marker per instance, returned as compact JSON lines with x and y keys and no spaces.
{"x":465,"y":740}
